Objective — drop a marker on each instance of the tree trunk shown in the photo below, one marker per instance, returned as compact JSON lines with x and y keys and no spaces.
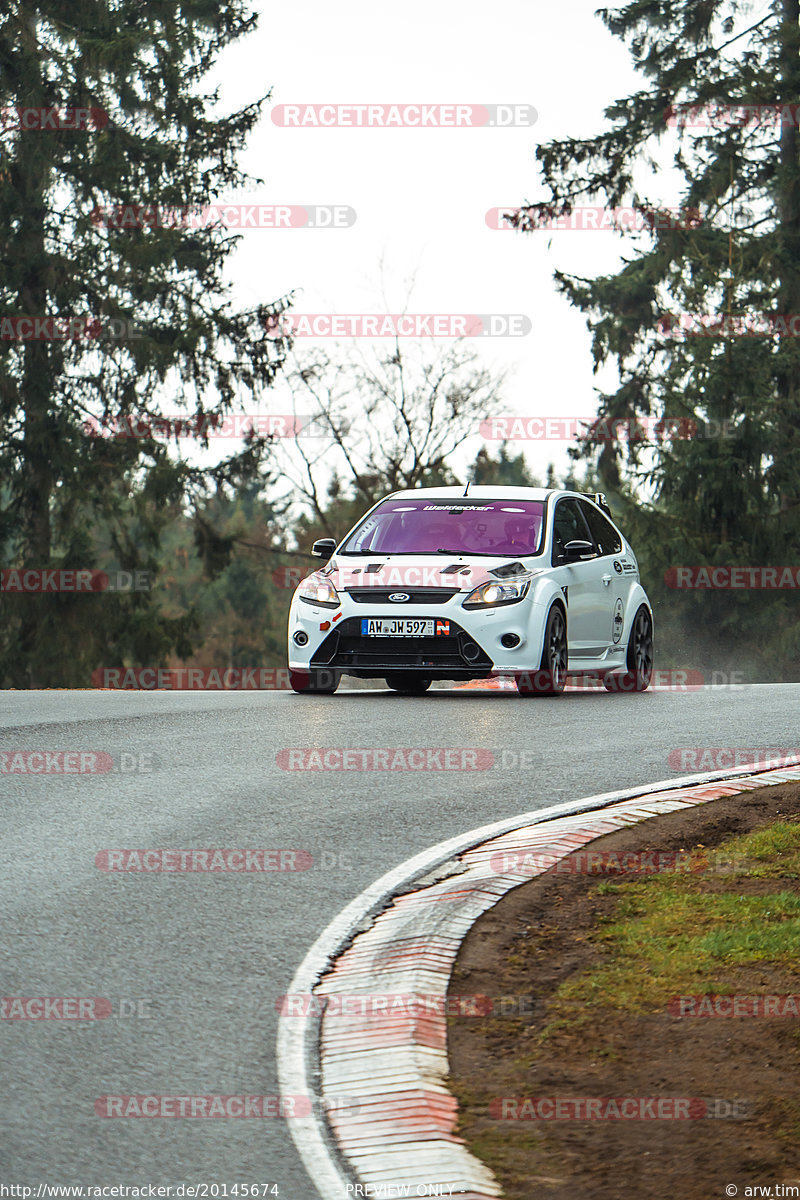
{"x":788,"y":389}
{"x":38,"y":451}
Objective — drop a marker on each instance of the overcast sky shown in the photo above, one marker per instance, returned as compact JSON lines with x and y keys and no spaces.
{"x":421,"y":195}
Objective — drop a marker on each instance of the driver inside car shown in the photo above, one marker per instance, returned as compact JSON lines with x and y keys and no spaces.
{"x":519,"y":538}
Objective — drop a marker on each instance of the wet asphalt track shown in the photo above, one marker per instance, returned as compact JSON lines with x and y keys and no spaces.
{"x":200,"y":959}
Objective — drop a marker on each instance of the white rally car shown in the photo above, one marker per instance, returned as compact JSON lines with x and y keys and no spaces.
{"x":470,"y":583}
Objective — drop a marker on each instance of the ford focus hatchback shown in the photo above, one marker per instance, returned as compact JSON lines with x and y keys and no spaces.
{"x":473,"y":583}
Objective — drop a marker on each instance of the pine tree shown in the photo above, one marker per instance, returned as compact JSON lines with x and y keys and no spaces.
{"x":720,"y":95}
{"x":507,"y":470}
{"x":100,"y":235}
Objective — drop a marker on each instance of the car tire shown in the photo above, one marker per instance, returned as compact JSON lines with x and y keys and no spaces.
{"x":320,"y":683}
{"x":639,"y":659}
{"x":407,"y":683}
{"x":551,"y":678}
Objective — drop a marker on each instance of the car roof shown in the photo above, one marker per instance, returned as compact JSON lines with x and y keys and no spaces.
{"x":480,"y":492}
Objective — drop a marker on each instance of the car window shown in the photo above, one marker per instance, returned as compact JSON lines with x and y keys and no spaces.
{"x":568,"y":526}
{"x":603,"y":532}
{"x":456,"y":525}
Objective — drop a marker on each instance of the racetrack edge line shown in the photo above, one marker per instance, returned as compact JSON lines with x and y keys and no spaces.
{"x":295,"y":1049}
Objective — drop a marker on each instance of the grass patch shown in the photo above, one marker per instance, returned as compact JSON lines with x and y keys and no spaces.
{"x":771,"y":853}
{"x":682,"y":933}
{"x":785,"y":1114}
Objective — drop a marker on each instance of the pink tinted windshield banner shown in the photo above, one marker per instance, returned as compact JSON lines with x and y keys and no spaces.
{"x":458,"y":526}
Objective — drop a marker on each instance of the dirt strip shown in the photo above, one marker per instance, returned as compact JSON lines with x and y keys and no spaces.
{"x":744,"y":1072}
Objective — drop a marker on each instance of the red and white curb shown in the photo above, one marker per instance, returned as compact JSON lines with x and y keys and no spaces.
{"x":389,"y":1129}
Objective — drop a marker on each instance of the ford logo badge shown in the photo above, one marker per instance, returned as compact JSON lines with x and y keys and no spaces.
{"x":399,"y":597}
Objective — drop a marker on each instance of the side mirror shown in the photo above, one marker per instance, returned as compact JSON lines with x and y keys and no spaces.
{"x":324,"y":548}
{"x":577,"y":549}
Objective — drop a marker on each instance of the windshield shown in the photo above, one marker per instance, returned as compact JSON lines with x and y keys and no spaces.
{"x":501,"y":527}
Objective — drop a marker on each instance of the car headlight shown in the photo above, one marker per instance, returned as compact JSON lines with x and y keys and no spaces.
{"x":491,"y":595}
{"x":321,"y":592}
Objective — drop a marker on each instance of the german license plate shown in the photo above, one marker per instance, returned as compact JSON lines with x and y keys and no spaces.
{"x":402,"y":627}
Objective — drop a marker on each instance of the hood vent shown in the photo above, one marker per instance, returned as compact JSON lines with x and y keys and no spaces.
{"x":515,"y":568}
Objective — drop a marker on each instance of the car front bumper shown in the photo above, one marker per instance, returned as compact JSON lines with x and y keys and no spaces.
{"x":471,"y":649}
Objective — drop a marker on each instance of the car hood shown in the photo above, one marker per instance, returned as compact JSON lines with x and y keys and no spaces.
{"x":408,"y":571}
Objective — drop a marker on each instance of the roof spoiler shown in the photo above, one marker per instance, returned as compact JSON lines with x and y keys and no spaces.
{"x":599,"y":499}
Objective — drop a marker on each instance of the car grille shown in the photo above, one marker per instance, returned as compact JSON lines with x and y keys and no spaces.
{"x":346,"y":649}
{"x":415,"y":596}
